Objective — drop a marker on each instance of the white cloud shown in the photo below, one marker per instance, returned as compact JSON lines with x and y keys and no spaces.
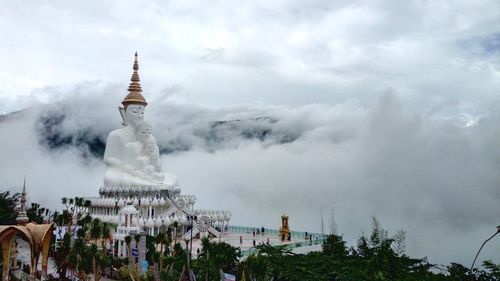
{"x":432,"y":176}
{"x":284,"y":53}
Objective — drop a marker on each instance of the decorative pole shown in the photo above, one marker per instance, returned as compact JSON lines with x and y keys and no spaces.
{"x":22,"y":217}
{"x":191,"y":218}
{"x":498,"y":231}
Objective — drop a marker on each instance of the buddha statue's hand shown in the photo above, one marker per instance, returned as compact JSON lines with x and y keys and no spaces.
{"x":129,"y":168}
{"x":113,"y":162}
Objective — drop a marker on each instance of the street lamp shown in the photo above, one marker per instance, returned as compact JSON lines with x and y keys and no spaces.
{"x":188,"y":259}
{"x":220,"y":219}
{"x":116,"y":206}
{"x":191,"y":218}
{"x":498,"y":231}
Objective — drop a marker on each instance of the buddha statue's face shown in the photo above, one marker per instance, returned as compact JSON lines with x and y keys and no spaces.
{"x":134,"y":114}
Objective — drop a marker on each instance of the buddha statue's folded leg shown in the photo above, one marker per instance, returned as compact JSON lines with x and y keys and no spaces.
{"x":114,"y":177}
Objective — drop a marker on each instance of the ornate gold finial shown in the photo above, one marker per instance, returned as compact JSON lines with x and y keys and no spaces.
{"x":134,"y":89}
{"x":22,"y":216}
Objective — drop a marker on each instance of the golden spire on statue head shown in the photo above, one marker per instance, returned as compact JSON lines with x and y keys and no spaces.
{"x":134,"y":89}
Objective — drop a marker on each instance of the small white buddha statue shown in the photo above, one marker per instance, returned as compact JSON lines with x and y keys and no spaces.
{"x":143,"y":155}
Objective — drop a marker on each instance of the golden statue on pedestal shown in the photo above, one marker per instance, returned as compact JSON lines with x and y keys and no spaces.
{"x":284,"y":229}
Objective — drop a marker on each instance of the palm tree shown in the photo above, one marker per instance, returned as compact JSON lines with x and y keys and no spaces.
{"x":161,"y":238}
{"x":85,"y":222}
{"x":128,"y":240}
{"x":258,"y":267}
{"x":175,"y":225}
{"x":7,"y":205}
{"x":137,"y":239}
{"x":87,"y":204}
{"x":95,"y":234}
{"x":106,"y":231}
{"x":95,"y":269}
{"x":78,"y":201}
{"x":168,"y":240}
{"x":96,"y":230}
{"x":64,"y":201}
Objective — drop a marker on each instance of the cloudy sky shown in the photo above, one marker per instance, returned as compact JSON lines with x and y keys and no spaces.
{"x":390,"y":108}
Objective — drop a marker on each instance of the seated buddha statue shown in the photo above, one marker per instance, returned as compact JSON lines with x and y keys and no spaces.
{"x":131,"y":155}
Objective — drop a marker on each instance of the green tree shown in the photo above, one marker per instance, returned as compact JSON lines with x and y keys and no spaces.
{"x":215,"y":257}
{"x":175,"y":225}
{"x":161,"y":239}
{"x":98,"y":254}
{"x":79,"y":250}
{"x":79,"y":258}
{"x":335,"y":247}
{"x":7,"y":207}
{"x":493,"y":268}
{"x":174,"y":262}
{"x":36,"y":213}
{"x":267,"y":263}
{"x":128,"y":241}
{"x":258,"y":268}
{"x":106,"y":233}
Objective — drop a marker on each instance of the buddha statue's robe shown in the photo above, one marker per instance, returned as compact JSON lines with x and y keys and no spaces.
{"x":128,"y":164}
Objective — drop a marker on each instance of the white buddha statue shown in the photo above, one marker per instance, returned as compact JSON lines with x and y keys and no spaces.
{"x":129,"y":161}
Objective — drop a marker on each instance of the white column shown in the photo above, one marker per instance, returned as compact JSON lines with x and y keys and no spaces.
{"x":124,"y":249}
{"x":119,"y":252}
